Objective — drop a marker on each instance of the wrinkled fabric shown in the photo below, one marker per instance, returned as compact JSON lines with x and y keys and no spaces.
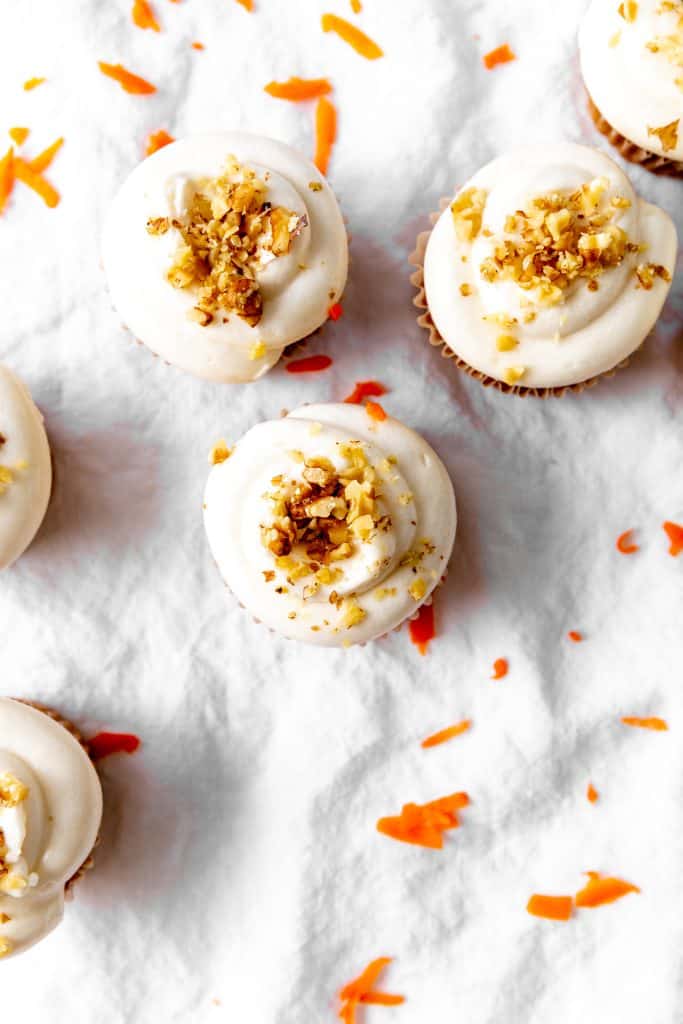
{"x":239,"y":875}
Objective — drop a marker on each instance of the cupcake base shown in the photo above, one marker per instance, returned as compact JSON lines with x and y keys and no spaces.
{"x":653,"y":162}
{"x":425,"y":321}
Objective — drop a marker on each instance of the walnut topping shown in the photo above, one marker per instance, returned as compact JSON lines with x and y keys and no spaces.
{"x":5,"y":946}
{"x":383,"y":592}
{"x":351,"y":612}
{"x":559,"y":238}
{"x":614,"y":40}
{"x":227,"y":234}
{"x":12,"y":790}
{"x":506,"y":342}
{"x":512,"y":374}
{"x":257,"y":351}
{"x":315,"y":186}
{"x":219,"y":453}
{"x":667,"y":135}
{"x":6,"y":477}
{"x":647,"y":274}
{"x":628,"y":10}
{"x":417,"y":589}
{"x":465,"y":290}
{"x":467,"y":210}
{"x":670,"y":46}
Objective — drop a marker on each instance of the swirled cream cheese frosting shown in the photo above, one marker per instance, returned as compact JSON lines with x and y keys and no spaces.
{"x":25,"y":468}
{"x":546,"y":269}
{"x":221,"y":250}
{"x":329,"y":526}
{"x":632,"y":65}
{"x":50,"y":812}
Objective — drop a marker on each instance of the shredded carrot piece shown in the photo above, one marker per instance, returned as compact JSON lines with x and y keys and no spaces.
{"x":198,"y":46}
{"x":32,"y":83}
{"x":381,"y":999}
{"x":575,"y":636}
{"x":365,"y":389}
{"x":675,"y":534}
{"x":554,"y":908}
{"x":297,"y":89}
{"x":143,"y":15}
{"x":375,"y":411}
{"x":422,"y":629}
{"x":325,"y":133}
{"x":599,"y":890}
{"x":592,"y":794}
{"x":361,"y":43}
{"x":18,"y":135}
{"x":657,"y":724}
{"x":356,"y":6}
{"x":127,"y":80}
{"x":361,"y":991}
{"x":247,"y":4}
{"x":424,"y":825}
{"x":336,"y":311}
{"x":24,"y":172}
{"x":6,"y":178}
{"x":41,"y":162}
{"x":447,"y":734}
{"x":625,"y":544}
{"x":500,"y":668}
{"x":501,"y":55}
{"x":157,"y":140}
{"x":309,"y":364}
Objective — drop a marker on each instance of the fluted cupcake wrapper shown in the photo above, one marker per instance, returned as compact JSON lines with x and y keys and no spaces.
{"x":653,"y":162}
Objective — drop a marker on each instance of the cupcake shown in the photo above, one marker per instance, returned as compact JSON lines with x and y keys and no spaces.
{"x":546,"y":271}
{"x":50,"y":812}
{"x":330,"y":525}
{"x":222,"y":250}
{"x":632,"y":65}
{"x":25,"y":468}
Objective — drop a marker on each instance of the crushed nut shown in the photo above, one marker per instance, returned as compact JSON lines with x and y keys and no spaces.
{"x":315,"y":186}
{"x":467,"y":210}
{"x":628,"y":10}
{"x":5,"y":946}
{"x":257,"y":350}
{"x":647,"y":274}
{"x":417,"y":589}
{"x":351,"y":612}
{"x":512,"y":374}
{"x":383,"y":592}
{"x":6,"y":477}
{"x":12,"y":790}
{"x":219,"y":453}
{"x":465,"y":289}
{"x":506,"y":342}
{"x":667,"y":135}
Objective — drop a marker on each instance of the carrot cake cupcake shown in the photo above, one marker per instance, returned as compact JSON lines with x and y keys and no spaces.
{"x":50,"y":812}
{"x":632,"y":64}
{"x":25,"y":468}
{"x":222,"y":250}
{"x":546,"y":270}
{"x":330,"y":525}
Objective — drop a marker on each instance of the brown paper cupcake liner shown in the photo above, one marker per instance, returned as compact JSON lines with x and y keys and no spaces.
{"x":425,"y":321}
{"x":89,"y":861}
{"x":653,"y":162}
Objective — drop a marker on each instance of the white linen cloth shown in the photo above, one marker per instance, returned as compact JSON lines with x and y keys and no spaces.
{"x":240,"y":877}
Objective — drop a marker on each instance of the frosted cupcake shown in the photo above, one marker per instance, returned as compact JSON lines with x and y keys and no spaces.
{"x":222,"y":250}
{"x":330,"y":526}
{"x":546,"y":271}
{"x":632,"y":64}
{"x":50,"y":812}
{"x":25,"y":468}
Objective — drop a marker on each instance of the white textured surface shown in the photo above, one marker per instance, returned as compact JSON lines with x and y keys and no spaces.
{"x":239,"y":860}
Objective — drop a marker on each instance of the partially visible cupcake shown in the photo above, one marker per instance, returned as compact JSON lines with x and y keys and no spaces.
{"x":332,"y":525}
{"x":222,"y":250}
{"x":25,"y":468}
{"x":632,"y":64}
{"x":50,"y":813}
{"x":546,"y":271}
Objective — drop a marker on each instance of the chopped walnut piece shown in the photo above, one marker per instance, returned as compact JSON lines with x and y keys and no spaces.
{"x":465,"y":289}
{"x":5,"y":946}
{"x":647,"y":274}
{"x":219,"y":453}
{"x":667,"y":135}
{"x":6,"y":477}
{"x":506,"y":342}
{"x":628,"y":10}
{"x":512,"y":374}
{"x":257,"y":351}
{"x":315,"y":186}
{"x":417,"y":589}
{"x":352,"y":613}
{"x":12,"y":790}
{"x":467,"y":209}
{"x":158,"y":225}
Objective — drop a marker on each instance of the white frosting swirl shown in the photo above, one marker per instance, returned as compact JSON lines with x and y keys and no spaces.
{"x":414,"y":490}
{"x":585,"y":334}
{"x":634,"y":87}
{"x":50,"y":834}
{"x":298,"y":288}
{"x":25,"y":460}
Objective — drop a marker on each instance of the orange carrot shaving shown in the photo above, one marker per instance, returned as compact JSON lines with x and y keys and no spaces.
{"x":599,"y":891}
{"x":657,"y":724}
{"x":500,"y":668}
{"x":575,"y":636}
{"x":6,"y":178}
{"x":18,"y":135}
{"x":365,"y":389}
{"x":592,"y":794}
{"x":325,"y":133}
{"x":32,"y":83}
{"x":424,"y":825}
{"x":675,"y":534}
{"x":41,"y":162}
{"x":157,"y":140}
{"x":553,"y":908}
{"x":336,"y":311}
{"x":361,"y":43}
{"x":127,"y":80}
{"x":247,"y":4}
{"x":375,"y":411}
{"x":381,"y":999}
{"x":361,"y":991}
{"x":198,"y":46}
{"x":422,"y":629}
{"x":297,"y":89}
{"x":24,"y":172}
{"x":446,"y":734}
{"x":356,"y":6}
{"x":143,"y":15}
{"x":625,"y":543}
{"x":501,"y":55}
{"x":310,"y":364}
